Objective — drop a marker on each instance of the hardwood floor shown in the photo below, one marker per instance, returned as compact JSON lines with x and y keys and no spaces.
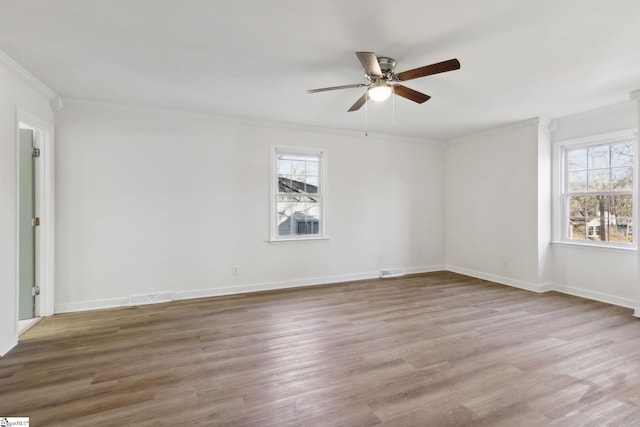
{"x":429,"y":350}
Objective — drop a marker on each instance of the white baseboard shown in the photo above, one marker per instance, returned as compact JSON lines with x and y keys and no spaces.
{"x":545,"y":287}
{"x":298,"y":283}
{"x":387,"y":273}
{"x":596,"y":296}
{"x":516,"y":283}
{"x":325,"y":280}
{"x":8,"y":344}
{"x":214,"y":292}
{"x":426,"y":269}
{"x":25,"y":325}
{"x":71,"y":307}
{"x":272,"y":286}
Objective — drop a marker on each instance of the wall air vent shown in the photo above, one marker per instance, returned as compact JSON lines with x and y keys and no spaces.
{"x":156,"y":298}
{"x":396,"y":272}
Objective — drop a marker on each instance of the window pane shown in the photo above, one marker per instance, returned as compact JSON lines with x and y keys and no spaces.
{"x":289,"y":156}
{"x":622,"y":155}
{"x":298,"y":173}
{"x":621,"y":213}
{"x":284,"y":167}
{"x":577,"y":159}
{"x":622,"y":178}
{"x":598,"y":157}
{"x":313,"y":180}
{"x":578,"y":181}
{"x":577,"y":208}
{"x":586,"y":222}
{"x":297,"y":217}
{"x":621,"y":205}
{"x":599,"y":180}
{"x":601,"y":218}
{"x":595,"y":205}
{"x":310,"y":188}
{"x":298,"y":167}
{"x":312,"y":166}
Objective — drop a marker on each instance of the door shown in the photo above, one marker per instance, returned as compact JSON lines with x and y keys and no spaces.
{"x":27,"y":234}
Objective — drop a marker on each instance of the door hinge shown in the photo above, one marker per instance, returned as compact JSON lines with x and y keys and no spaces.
{"x":36,"y":152}
{"x":35,"y":222}
{"x":35,"y":290}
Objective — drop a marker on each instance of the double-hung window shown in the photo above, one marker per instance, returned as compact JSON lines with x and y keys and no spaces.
{"x":598,"y":179}
{"x":297,"y":194}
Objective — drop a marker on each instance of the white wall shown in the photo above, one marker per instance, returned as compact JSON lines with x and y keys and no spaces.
{"x":504,"y":176}
{"x":15,"y":92}
{"x":604,"y":274}
{"x":492,"y":208}
{"x":544,"y":224}
{"x":151,"y":201}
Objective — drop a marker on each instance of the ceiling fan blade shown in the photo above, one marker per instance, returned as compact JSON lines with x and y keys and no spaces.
{"x":360,"y":102}
{"x":370,"y":63}
{"x":411,"y":94}
{"x":325,"y":89}
{"x":427,"y":70}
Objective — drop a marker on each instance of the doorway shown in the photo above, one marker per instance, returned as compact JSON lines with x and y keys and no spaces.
{"x":27,"y":223}
{"x":35,"y":213}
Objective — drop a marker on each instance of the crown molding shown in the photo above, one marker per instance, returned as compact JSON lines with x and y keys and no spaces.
{"x":247,"y":121}
{"x":19,"y":71}
{"x":56,"y":103}
{"x":532,"y":122}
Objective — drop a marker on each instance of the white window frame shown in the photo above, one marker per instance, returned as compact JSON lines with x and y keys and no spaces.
{"x":322,"y":193}
{"x":560,"y":179}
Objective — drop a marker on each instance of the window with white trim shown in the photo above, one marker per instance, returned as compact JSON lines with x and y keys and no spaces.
{"x":597,"y":190}
{"x":297,"y":194}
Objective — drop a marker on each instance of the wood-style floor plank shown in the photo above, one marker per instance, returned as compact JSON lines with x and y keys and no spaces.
{"x":437,"y":349}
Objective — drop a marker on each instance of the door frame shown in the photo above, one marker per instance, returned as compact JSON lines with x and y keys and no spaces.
{"x":44,"y":197}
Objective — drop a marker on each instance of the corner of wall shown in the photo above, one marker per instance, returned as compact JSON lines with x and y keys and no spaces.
{"x":8,"y":344}
{"x":503,"y":280}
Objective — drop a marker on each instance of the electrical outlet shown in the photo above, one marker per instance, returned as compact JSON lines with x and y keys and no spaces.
{"x":235,"y":271}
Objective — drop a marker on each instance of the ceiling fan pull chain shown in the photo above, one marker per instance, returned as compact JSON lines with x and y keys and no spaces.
{"x":366,"y":115}
{"x":393,"y":106}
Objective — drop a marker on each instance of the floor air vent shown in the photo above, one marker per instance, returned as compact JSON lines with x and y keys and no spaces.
{"x":385,"y":274}
{"x":151,"y":298}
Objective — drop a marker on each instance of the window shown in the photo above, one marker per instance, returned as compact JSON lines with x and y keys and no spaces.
{"x":297,"y":194}
{"x":597,"y":195}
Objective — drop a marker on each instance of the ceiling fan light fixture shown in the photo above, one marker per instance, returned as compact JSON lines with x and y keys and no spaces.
{"x":380,"y":92}
{"x":383,"y":81}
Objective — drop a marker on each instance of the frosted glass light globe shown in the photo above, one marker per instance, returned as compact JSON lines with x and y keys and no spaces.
{"x":380,"y":92}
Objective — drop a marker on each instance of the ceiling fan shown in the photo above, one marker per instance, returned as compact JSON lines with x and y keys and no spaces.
{"x":383,"y":80}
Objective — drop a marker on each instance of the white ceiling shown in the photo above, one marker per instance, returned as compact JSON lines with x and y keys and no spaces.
{"x":256,"y":58}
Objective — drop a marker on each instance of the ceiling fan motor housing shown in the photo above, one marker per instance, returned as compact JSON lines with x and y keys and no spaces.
{"x":387,"y":65}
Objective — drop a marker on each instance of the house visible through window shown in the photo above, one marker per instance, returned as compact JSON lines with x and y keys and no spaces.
{"x":298,"y":195}
{"x":598,"y":194}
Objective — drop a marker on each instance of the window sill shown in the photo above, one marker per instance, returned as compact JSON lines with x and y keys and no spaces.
{"x":297,"y":240}
{"x":591,"y":246}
